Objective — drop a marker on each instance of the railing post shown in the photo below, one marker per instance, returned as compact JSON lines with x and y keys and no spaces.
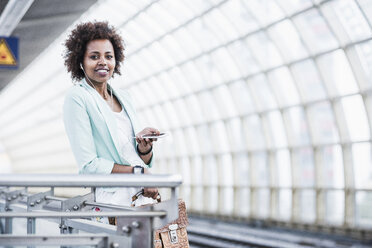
{"x":139,"y":229}
{"x":31,"y":228}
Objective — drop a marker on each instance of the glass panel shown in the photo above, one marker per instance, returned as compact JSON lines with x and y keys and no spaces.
{"x":172,"y":116}
{"x":285,"y":205}
{"x":364,"y":52}
{"x":290,"y":45}
{"x":283,"y":87}
{"x":224,"y":101}
{"x":206,"y":147}
{"x":197,"y":179}
{"x":303,"y":166}
{"x":225,"y":64}
{"x":335,"y":207}
{"x":198,"y":6}
{"x":315,"y":32}
{"x":157,"y":90}
{"x":219,"y":138}
{"x":322,"y":123}
{"x":185,"y":193}
{"x":241,"y":97}
{"x":368,"y":102}
{"x":180,"y":147}
{"x":173,"y":47}
{"x":265,"y":12}
{"x":264,"y":51}
{"x":337,"y":83}
{"x":331,"y":167}
{"x":225,"y":169}
{"x":243,"y":58}
{"x":168,"y":85}
{"x":362,"y":160}
{"x":192,"y":141}
{"x":183,"y":36}
{"x":211,"y":197}
{"x":366,"y":7}
{"x":192,"y":73}
{"x":262,"y":203}
{"x":241,"y":181}
{"x":243,"y":196}
{"x":356,"y":118}
{"x":283,"y":168}
{"x":209,"y":71}
{"x":364,"y":206}
{"x":161,"y":117}
{"x":261,"y":92}
{"x":308,"y":81}
{"x":220,"y":26}
{"x":346,"y":20}
{"x":298,"y":132}
{"x":193,"y":104}
{"x":163,"y":16}
{"x":208,"y":106}
{"x":181,"y":12}
{"x":253,"y":132}
{"x":240,"y":16}
{"x":203,"y":35}
{"x":236,"y":139}
{"x":183,"y":112}
{"x":292,"y":6}
{"x":278,"y":138}
{"x":259,"y":170}
{"x":159,"y":51}
{"x":182,"y":83}
{"x":307,"y":206}
{"x":241,"y":171}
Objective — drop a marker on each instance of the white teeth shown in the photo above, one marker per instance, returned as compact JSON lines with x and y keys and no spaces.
{"x":102,"y":71}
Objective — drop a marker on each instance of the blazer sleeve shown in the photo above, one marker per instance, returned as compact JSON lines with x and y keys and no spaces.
{"x":79,"y":131}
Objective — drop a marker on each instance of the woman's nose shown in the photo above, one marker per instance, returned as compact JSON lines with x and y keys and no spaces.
{"x":102,"y":61}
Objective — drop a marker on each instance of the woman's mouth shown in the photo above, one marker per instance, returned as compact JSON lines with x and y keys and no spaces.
{"x":102,"y":72}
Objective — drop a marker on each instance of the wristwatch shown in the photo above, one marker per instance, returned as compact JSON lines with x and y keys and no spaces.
{"x":138,"y":169}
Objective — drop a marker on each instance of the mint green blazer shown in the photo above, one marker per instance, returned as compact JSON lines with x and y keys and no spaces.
{"x":91,"y":128}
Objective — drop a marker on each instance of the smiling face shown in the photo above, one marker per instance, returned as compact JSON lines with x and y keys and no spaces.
{"x":99,"y":61}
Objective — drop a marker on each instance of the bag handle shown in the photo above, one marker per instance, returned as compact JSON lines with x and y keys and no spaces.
{"x":141,"y":192}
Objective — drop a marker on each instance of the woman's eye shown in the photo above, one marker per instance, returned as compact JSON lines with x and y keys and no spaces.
{"x":94,"y":57}
{"x":109,"y":56}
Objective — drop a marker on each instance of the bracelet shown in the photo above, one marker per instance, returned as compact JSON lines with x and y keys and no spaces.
{"x":144,"y":153}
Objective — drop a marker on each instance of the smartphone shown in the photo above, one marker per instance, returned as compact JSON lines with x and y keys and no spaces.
{"x":155,"y":136}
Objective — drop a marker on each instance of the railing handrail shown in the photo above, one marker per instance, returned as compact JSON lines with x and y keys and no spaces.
{"x":89,"y":180}
{"x":78,"y":215}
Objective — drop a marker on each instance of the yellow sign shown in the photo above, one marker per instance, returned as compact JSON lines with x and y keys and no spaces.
{"x":6,"y":56}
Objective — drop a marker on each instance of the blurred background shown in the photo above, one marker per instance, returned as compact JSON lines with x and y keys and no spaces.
{"x":268,"y":102}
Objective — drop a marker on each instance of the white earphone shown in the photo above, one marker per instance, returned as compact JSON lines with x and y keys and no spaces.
{"x":81,"y":66}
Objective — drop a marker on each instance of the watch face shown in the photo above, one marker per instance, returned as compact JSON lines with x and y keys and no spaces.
{"x":138,"y":170}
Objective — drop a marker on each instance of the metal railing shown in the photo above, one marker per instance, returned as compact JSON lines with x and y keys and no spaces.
{"x":134,"y":228}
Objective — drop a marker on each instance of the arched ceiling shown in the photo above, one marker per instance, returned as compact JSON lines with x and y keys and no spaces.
{"x":268,"y":103}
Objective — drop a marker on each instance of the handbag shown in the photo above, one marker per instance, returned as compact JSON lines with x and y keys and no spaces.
{"x":174,"y":234}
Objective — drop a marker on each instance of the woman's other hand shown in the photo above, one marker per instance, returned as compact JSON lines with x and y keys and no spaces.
{"x":150,"y":192}
{"x":145,"y":144}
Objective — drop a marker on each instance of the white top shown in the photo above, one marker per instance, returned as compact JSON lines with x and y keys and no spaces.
{"x":123,"y":196}
{"x":125,"y":138}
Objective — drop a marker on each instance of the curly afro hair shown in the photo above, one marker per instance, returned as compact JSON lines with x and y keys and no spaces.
{"x":77,"y":42}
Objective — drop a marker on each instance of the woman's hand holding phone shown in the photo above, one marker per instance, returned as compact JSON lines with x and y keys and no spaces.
{"x":145,"y":139}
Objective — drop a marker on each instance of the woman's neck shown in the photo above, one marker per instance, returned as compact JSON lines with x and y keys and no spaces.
{"x":101,"y":88}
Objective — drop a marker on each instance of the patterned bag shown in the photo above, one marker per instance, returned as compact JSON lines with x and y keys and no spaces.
{"x":174,"y":234}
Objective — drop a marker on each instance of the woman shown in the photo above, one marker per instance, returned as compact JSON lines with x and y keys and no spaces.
{"x":100,"y":121}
